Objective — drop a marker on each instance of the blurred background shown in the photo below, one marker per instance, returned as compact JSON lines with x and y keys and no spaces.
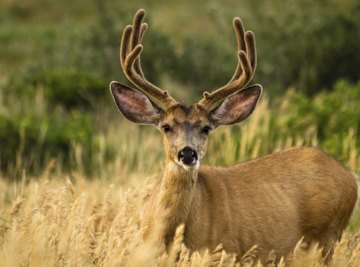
{"x":58,"y":57}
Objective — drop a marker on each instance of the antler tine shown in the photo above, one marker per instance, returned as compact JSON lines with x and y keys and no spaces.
{"x":244,"y":71}
{"x":124,"y":45}
{"x":130,"y":50}
{"x":138,"y":20}
{"x":240,"y":33}
{"x":251,"y":50}
{"x":137,"y":65}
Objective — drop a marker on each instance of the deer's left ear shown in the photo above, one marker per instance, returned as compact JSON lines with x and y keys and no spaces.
{"x":237,"y":107}
{"x":134,"y":105}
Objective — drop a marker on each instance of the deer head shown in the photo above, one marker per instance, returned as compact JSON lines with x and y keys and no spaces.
{"x":185,"y":128}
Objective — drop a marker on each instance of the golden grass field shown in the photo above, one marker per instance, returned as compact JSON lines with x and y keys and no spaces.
{"x":60,"y":219}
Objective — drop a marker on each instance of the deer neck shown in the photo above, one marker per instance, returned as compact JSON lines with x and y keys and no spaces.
{"x":175,"y":197}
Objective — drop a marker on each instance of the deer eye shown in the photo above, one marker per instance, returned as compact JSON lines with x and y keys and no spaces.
{"x":166,"y":128}
{"x":206,"y":129}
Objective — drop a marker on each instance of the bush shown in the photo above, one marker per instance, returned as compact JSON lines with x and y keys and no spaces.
{"x":30,"y":142}
{"x":70,"y":88}
{"x":307,"y":44}
{"x":334,"y":114}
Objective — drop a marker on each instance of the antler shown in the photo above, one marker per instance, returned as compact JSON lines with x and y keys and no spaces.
{"x":244,"y":71}
{"x":130,"y":51}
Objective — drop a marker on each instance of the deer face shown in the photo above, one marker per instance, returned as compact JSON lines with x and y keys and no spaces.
{"x":185,"y":129}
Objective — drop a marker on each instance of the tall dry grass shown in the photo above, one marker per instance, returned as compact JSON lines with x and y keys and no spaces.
{"x":60,"y":220}
{"x":56,"y":222}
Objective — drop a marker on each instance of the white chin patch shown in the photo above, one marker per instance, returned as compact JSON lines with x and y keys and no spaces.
{"x":194,"y":166}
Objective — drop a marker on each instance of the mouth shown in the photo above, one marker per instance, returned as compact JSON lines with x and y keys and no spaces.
{"x":193,"y":165}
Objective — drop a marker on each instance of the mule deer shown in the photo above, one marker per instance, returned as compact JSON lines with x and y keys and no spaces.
{"x":272,"y":202}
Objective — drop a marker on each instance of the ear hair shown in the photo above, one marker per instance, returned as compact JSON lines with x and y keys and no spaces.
{"x":236,"y":107}
{"x":134,"y":105}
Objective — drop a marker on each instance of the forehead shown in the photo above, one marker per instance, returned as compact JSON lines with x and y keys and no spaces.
{"x":186,"y":114}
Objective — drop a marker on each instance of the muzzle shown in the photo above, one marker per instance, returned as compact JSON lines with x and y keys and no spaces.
{"x":188,"y":156}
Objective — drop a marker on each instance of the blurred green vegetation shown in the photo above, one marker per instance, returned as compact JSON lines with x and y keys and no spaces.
{"x":67,"y":87}
{"x":57,"y":60}
{"x":30,"y":142}
{"x":335,"y":115}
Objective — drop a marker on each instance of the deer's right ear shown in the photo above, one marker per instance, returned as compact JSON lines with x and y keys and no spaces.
{"x":134,"y":105}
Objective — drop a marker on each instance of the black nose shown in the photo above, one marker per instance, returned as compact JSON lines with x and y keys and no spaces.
{"x":187,"y":156}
